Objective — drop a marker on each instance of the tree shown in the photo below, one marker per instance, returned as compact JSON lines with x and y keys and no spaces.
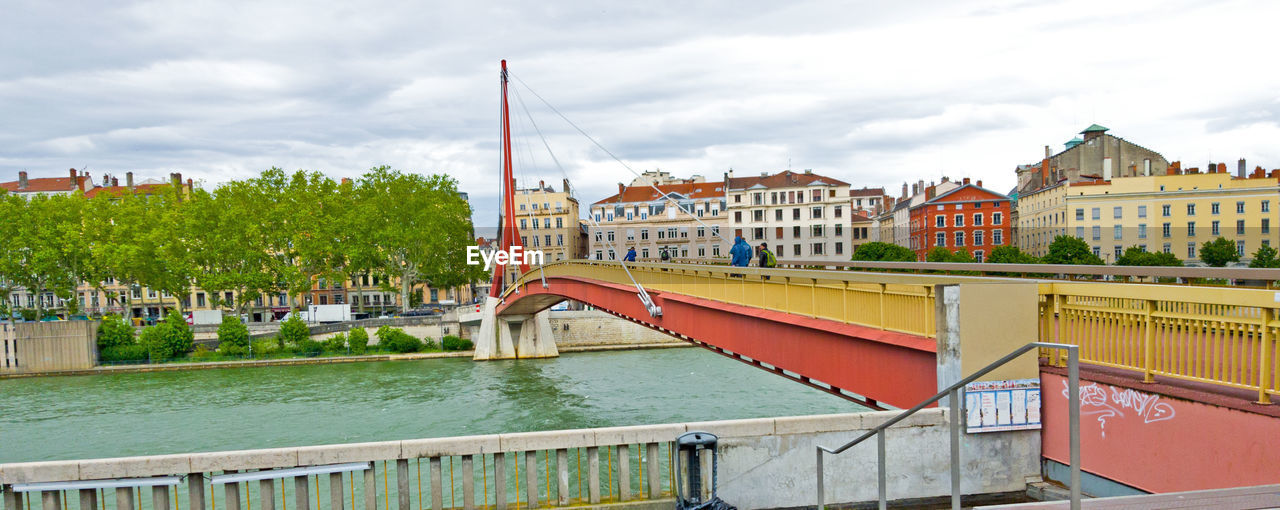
{"x":11,"y":212}
{"x":1009,"y":254}
{"x":233,"y":335}
{"x":1135,"y":256}
{"x":1265,"y":257}
{"x":293,"y":331}
{"x":1070,"y":250}
{"x":50,"y":253}
{"x":169,"y":338}
{"x":419,"y":225}
{"x":1219,"y":252}
{"x":229,"y":249}
{"x":938,"y":254}
{"x":114,"y":332}
{"x":883,"y":252}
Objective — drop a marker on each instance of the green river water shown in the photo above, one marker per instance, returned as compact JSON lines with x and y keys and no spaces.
{"x":111,"y":415}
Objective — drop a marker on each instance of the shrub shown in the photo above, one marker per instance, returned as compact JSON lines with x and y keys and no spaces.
{"x":310,"y":347}
{"x":1265,"y":257}
{"x":201,"y":352}
{"x":430,"y":344}
{"x":453,"y":343}
{"x":1219,"y":252}
{"x":358,"y":339}
{"x":293,"y":330}
{"x":883,"y":252}
{"x":227,"y":349}
{"x":168,"y":339}
{"x":233,"y":333}
{"x":265,"y":347}
{"x":121,"y":353}
{"x":1070,"y":250}
{"x":336,"y":343}
{"x":396,"y":340}
{"x":115,"y":332}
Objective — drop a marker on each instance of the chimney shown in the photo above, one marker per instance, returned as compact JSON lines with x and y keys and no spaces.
{"x":979,"y":183}
{"x":189,"y":183}
{"x":541,"y":185}
{"x":808,"y":171}
{"x":946,"y":179}
{"x":22,"y":179}
{"x":620,"y":189}
{"x":965,"y":181}
{"x":730,"y":173}
{"x":176,"y":178}
{"x":1275,"y":174}
{"x":1240,"y":167}
{"x":106,"y":179}
{"x":921,"y":186}
{"x":565,"y":184}
{"x":80,"y":184}
{"x":904,"y":187}
{"x":1047,"y":152}
{"x":115,"y":181}
{"x":1193,"y":170}
{"x":930,"y":192}
{"x":128,"y":179}
{"x":915,"y":189}
{"x":1222,"y":168}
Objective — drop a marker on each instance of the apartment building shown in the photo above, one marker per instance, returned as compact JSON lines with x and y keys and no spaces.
{"x":645,"y":218}
{"x":895,"y":222}
{"x":548,"y":221}
{"x":1175,"y":213}
{"x":967,"y":217}
{"x":801,"y":215}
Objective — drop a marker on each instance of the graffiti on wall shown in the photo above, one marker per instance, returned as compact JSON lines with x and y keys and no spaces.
{"x":1111,"y":403}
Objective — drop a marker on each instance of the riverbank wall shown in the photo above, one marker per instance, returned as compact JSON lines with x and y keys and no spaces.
{"x":763,"y":463}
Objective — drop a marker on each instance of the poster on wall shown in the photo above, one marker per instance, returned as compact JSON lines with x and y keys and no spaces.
{"x":997,"y":406}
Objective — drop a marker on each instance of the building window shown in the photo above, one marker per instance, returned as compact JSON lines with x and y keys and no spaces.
{"x":941,"y":239}
{"x":795,"y":250}
{"x":1191,"y":209}
{"x":1117,"y":234}
{"x":547,"y":239}
{"x":1165,"y":210}
{"x":757,"y":215}
{"x":1191,"y":250}
{"x":997,"y":218}
{"x":837,"y":214}
{"x":977,"y":238}
{"x":200,"y":299}
{"x":1168,"y":248}
{"x":1116,"y":250}
{"x":959,"y":220}
{"x":1166,"y":230}
{"x":940,"y":221}
{"x":1191,"y":229}
{"x":757,"y":233}
{"x":737,"y":216}
{"x":977,"y":219}
{"x":1239,"y":227}
{"x":1096,"y":213}
{"x":1142,"y":231}
{"x":777,"y":214}
{"x":1097,"y":232}
{"x":816,"y":230}
{"x":1097,"y":251}
{"x":631,"y":235}
{"x":959,"y":239}
{"x":978,"y":256}
{"x":644,"y":253}
{"x":1079,"y":214}
{"x":1117,"y":212}
{"x":815,"y":213}
{"x":1240,"y":207}
{"x":1080,"y":233}
{"x":997,"y":237}
{"x":1266,"y":225}
{"x":795,"y":232}
{"x":795,"y":213}
{"x":1266,"y":206}
{"x":1214,"y":208}
{"x":839,"y":248}
{"x":817,"y":248}
{"x":1214,"y":228}
{"x":1240,"y":248}
{"x":644,"y":234}
{"x":609,"y":235}
{"x":702,"y":232}
{"x":1142,"y":211}
{"x":559,"y":239}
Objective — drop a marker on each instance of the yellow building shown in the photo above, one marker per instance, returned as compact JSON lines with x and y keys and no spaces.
{"x":1042,"y":216}
{"x":548,"y":221}
{"x":1174,"y":213}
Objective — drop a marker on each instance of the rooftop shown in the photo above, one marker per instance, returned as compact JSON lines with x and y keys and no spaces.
{"x":784,"y":179}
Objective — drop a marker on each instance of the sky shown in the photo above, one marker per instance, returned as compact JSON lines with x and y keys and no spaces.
{"x":872,"y":93}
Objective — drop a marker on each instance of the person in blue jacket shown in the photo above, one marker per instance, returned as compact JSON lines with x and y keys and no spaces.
{"x":631,"y":255}
{"x":740,"y":254}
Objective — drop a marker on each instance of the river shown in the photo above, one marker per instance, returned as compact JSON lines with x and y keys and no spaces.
{"x":112,"y":415}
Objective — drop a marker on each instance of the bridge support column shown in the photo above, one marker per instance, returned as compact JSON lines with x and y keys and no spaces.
{"x":536,"y":340}
{"x":494,"y":339}
{"x":979,"y":323}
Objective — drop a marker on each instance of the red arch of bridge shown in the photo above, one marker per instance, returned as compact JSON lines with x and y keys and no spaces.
{"x":862,"y":364}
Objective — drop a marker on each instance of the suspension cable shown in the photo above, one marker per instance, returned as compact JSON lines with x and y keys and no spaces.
{"x":525,"y":146}
{"x":665,"y":195}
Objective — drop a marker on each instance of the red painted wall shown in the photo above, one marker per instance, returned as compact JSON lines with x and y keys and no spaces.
{"x":1158,"y":443}
{"x":924,"y":221}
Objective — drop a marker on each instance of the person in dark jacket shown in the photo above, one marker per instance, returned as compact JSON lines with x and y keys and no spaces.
{"x":631,"y":255}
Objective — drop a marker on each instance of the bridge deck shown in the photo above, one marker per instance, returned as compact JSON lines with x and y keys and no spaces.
{"x":1240,"y":498}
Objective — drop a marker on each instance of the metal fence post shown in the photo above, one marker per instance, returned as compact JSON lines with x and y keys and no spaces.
{"x":1148,"y":342}
{"x":881,"y":489}
{"x":955,"y":448}
{"x":1073,"y":401}
{"x":821,"y":500}
{"x":1266,"y":342}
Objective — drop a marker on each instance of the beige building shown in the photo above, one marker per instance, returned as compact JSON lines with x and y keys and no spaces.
{"x":1042,"y":216}
{"x":641,"y":217}
{"x":1174,"y":213}
{"x":548,"y":221}
{"x":1097,"y":156}
{"x":801,"y":215}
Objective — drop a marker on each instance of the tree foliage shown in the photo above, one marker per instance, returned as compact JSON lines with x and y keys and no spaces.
{"x":1009,"y":254}
{"x":1070,"y":250}
{"x":1265,"y":257}
{"x":1135,"y":256}
{"x":1219,"y":252}
{"x":883,"y":252}
{"x":169,"y":338}
{"x":233,"y":335}
{"x":115,"y":332}
{"x":293,"y":331}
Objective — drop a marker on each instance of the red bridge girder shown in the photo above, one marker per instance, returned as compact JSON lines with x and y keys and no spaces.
{"x":859,"y":363}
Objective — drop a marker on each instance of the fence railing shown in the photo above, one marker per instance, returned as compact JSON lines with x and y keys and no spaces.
{"x":1221,"y":336}
{"x":892,"y":302}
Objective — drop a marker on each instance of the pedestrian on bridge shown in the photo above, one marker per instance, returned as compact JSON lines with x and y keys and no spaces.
{"x":631,"y":255}
{"x":740,"y":254}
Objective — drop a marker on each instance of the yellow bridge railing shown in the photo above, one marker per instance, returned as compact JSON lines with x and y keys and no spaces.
{"x":1220,"y":336}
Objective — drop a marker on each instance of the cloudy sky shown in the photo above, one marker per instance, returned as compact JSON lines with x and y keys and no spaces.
{"x":873,"y":93}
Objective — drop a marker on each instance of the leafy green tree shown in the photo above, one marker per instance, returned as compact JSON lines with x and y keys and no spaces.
{"x":12,"y":214}
{"x":115,"y":332}
{"x":1070,"y":250}
{"x":1135,"y":256}
{"x":229,"y":249}
{"x":1009,"y":254}
{"x":293,"y":331}
{"x":938,"y":254}
{"x":358,"y":339}
{"x":47,"y":245}
{"x":883,"y":252}
{"x":233,"y":335}
{"x":1219,"y":252}
{"x":1265,"y":257}
{"x":420,"y":226}
{"x":169,"y":338}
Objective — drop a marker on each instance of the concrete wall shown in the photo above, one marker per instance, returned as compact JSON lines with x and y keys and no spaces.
{"x":593,"y":327}
{"x":49,"y":346}
{"x":764,"y":463}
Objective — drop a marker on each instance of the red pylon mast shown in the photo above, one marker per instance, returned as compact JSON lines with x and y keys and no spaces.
{"x":510,"y":235}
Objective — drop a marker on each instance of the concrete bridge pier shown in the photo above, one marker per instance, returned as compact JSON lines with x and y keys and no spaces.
{"x":494,"y":339}
{"x":536,"y":340}
{"x":514,"y":336}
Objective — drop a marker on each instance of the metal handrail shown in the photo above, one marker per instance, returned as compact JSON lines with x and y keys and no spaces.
{"x":953,"y":392}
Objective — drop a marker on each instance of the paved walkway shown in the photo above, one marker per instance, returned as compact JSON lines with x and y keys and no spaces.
{"x":1241,"y":498}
